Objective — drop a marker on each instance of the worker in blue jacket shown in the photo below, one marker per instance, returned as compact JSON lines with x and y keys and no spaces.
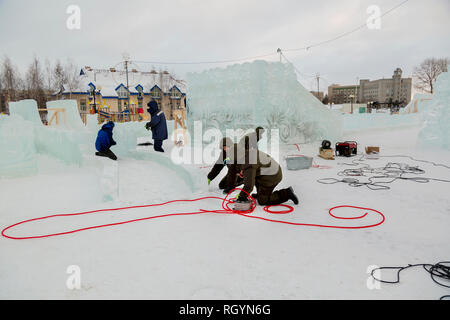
{"x":158,"y":125}
{"x":105,"y":141}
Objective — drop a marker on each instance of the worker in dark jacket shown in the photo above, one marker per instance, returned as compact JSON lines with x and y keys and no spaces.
{"x":158,"y":125}
{"x":263,"y":172}
{"x":105,"y":141}
{"x":227,"y":158}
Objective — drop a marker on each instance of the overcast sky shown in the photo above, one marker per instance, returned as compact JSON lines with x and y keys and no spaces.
{"x":208,"y":30}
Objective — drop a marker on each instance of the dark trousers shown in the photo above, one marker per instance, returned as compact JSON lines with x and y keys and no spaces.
{"x":267,"y":197}
{"x":158,"y":145}
{"x":265,"y":186}
{"x":106,"y":153}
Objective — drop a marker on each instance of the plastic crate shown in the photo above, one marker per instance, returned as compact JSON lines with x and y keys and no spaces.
{"x":298,"y":162}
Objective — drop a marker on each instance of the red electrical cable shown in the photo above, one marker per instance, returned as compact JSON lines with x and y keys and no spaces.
{"x":225,"y":210}
{"x":288,"y":210}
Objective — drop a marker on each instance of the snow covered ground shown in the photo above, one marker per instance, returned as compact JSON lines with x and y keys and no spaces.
{"x":213,"y":256}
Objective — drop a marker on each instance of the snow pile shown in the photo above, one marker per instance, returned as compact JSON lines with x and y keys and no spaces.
{"x":436,"y":132}
{"x":244,"y":96}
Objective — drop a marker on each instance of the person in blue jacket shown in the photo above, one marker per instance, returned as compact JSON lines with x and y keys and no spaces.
{"x":105,"y":141}
{"x":158,"y":125}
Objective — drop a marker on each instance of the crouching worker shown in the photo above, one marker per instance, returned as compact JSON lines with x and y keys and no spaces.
{"x":158,"y":125}
{"x":227,"y":158}
{"x":250,"y":141}
{"x":105,"y":141}
{"x":263,"y":172}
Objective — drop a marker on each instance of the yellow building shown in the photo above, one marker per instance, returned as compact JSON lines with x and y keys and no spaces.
{"x":102,"y":92}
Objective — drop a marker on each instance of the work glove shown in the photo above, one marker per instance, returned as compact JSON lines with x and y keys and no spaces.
{"x":147,"y":126}
{"x":209,"y":182}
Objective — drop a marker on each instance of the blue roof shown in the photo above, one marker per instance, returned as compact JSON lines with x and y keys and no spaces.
{"x":120,"y":85}
{"x":92,"y":85}
{"x":155,"y":86}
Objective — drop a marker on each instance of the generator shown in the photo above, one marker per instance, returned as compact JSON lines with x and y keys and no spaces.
{"x":346,"y":149}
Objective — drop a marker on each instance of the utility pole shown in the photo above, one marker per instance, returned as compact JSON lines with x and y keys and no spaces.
{"x":126,"y":58}
{"x":318,"y":85}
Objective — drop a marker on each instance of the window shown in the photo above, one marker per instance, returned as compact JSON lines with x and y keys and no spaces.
{"x":122,"y":92}
{"x":119,"y":105}
{"x":175,"y":93}
{"x":83,"y":105}
{"x":156,"y":93}
{"x":139,"y":90}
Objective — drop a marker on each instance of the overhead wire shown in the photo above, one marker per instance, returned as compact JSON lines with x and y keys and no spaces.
{"x":345,"y":33}
{"x":272,"y":53}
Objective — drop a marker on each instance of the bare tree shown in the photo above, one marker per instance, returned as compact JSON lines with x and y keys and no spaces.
{"x":426,"y":74}
{"x":10,"y":79}
{"x":59,"y":77}
{"x":35,"y":82}
{"x":48,"y":75}
{"x":72,"y":75}
{"x":2,"y":95}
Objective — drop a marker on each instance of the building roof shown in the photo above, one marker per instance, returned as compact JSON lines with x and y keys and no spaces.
{"x":107,"y":82}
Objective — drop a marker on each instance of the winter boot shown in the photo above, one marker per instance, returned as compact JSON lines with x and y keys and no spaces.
{"x":292,"y":196}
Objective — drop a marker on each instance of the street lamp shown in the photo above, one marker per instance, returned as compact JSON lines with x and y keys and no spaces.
{"x":352,"y":97}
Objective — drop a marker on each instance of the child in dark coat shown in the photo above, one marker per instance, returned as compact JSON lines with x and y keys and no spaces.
{"x":105,"y":141}
{"x":158,"y":125}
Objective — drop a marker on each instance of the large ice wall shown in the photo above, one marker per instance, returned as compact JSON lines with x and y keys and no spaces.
{"x":436,"y":131}
{"x":56,"y":142}
{"x":244,"y":96}
{"x":18,"y":151}
{"x":27,"y":109}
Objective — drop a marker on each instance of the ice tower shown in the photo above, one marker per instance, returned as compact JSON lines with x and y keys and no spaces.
{"x":260,"y":93}
{"x":436,"y":130}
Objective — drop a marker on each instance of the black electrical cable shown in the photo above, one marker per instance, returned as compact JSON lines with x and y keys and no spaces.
{"x":392,"y":171}
{"x":440,"y":270}
{"x":418,"y":160}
